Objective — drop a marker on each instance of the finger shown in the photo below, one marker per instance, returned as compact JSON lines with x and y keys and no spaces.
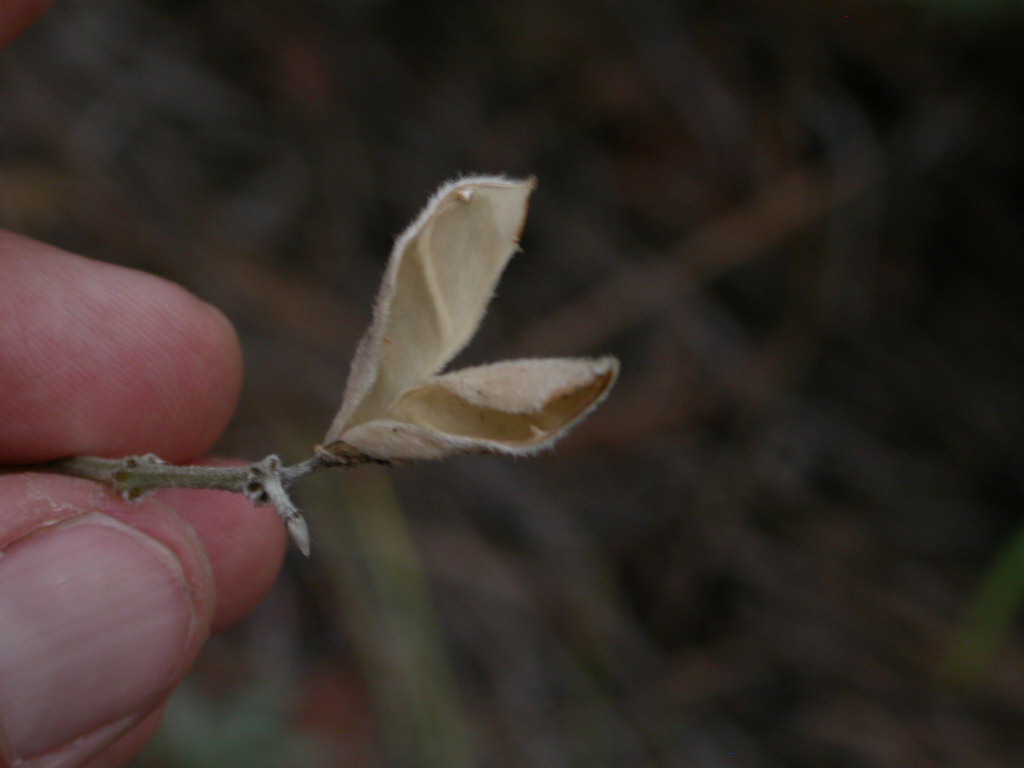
{"x":17,"y":15}
{"x":105,"y":603}
{"x":103,"y":608}
{"x":99,"y":359}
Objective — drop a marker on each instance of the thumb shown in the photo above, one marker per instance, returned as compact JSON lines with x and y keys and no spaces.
{"x":103,"y":607}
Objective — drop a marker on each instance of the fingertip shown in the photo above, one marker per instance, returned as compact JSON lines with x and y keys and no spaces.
{"x":100,"y":359}
{"x":199,"y":378}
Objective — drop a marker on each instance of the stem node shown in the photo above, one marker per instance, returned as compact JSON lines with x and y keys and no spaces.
{"x":263,"y":482}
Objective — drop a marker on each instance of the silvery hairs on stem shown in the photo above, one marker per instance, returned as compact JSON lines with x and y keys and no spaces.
{"x":397,"y":405}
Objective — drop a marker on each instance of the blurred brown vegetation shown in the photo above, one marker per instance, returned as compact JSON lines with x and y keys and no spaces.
{"x":797,"y":224}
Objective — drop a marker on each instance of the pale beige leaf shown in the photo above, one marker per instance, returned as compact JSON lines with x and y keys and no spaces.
{"x":516,"y":407}
{"x":436,"y":288}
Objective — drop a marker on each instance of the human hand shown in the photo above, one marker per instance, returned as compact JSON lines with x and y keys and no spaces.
{"x":104,"y":604}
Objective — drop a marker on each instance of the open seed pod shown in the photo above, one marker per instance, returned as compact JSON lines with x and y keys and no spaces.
{"x":438,"y":282}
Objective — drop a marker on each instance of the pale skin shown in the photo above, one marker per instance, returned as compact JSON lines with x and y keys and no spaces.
{"x":100,"y":360}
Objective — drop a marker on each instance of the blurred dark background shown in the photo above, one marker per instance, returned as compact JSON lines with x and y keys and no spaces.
{"x":791,"y":537}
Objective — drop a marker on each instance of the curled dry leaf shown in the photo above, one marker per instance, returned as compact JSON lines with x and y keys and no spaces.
{"x":436,"y":288}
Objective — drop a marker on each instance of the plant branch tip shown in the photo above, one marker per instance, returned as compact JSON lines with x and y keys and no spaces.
{"x":399,"y":405}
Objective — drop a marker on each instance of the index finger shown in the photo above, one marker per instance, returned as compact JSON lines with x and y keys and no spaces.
{"x":103,"y":360}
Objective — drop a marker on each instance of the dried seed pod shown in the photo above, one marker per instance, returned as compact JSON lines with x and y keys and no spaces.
{"x":439,"y":280}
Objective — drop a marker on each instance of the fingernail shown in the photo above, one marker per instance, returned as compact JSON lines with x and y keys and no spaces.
{"x":94,"y":620}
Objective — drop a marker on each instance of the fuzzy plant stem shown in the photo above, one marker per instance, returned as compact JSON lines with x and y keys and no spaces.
{"x":263,"y":482}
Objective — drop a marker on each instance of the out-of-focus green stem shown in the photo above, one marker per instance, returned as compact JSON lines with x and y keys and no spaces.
{"x":990,"y":616}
